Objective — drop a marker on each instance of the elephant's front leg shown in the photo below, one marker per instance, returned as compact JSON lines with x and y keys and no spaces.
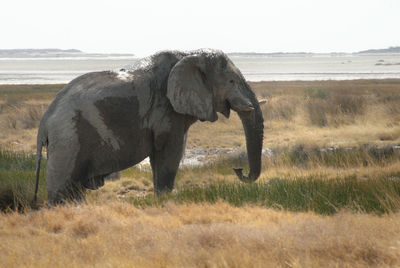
{"x":165,"y":161}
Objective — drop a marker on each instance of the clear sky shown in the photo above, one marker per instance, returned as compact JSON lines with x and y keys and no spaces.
{"x":146,"y":26}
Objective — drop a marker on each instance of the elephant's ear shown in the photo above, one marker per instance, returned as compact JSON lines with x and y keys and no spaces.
{"x":188,"y":90}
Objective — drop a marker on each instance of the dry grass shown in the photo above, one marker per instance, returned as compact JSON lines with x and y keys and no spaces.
{"x":19,"y":121}
{"x":119,"y":235}
{"x":21,"y":107}
{"x":23,"y":116}
{"x":299,"y":117}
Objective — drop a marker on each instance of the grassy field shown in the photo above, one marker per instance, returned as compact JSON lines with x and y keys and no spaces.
{"x":329,"y":195}
{"x":322,"y":113}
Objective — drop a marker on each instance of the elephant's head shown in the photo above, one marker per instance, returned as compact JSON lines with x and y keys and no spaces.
{"x":206,"y":82}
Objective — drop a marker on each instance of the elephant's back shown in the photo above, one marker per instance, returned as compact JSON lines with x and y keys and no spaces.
{"x":85,"y":89}
{"x":92,"y":84}
{"x":74,"y":98}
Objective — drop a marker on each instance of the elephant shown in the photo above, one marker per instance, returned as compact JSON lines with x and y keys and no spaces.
{"x":103,"y":122}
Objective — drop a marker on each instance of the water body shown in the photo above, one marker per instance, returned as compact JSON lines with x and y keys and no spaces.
{"x":255,"y":68}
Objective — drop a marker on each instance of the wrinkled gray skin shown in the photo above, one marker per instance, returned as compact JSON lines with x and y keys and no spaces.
{"x":103,"y":122}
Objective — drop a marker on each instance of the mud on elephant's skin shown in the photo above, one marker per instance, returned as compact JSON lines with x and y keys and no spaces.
{"x":103,"y":122}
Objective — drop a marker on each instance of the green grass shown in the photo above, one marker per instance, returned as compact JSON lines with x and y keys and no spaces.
{"x":17,"y":180}
{"x":372,"y":195}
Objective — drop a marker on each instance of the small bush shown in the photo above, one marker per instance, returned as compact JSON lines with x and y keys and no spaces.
{"x":316,"y":93}
{"x":316,"y":112}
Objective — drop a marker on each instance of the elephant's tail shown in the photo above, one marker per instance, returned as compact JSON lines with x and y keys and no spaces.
{"x":39,"y":146}
{"x":38,"y":160}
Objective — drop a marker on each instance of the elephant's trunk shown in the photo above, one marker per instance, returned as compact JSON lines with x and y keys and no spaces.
{"x":253,"y":125}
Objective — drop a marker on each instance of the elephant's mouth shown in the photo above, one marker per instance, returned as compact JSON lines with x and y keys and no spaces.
{"x":226,"y":111}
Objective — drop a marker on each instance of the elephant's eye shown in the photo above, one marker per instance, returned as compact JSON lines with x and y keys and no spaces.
{"x":232,"y":82}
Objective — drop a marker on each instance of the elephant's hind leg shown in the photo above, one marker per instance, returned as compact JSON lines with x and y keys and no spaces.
{"x":61,"y":185}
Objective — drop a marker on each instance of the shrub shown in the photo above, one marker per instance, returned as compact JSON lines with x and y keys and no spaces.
{"x":316,"y":112}
{"x":316,"y":93}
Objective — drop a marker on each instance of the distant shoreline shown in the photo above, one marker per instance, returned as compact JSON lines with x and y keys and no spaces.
{"x":50,"y":69}
{"x":389,"y":80}
{"x":55,"y":53}
{"x":384,"y":51}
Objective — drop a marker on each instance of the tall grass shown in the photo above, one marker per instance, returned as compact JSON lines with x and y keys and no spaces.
{"x":17,"y":180}
{"x":377,"y":194}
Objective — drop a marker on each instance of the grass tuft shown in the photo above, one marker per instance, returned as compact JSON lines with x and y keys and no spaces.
{"x":17,"y":180}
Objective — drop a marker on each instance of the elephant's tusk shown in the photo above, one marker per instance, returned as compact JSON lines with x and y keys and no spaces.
{"x":263,"y":101}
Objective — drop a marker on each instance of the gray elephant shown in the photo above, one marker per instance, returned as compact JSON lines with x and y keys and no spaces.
{"x":103,"y":122}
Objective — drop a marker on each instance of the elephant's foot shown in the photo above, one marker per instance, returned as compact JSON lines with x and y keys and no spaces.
{"x":72,"y":193}
{"x":163,"y":188}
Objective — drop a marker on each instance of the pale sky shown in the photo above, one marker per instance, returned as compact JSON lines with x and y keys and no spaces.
{"x":146,"y":26}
